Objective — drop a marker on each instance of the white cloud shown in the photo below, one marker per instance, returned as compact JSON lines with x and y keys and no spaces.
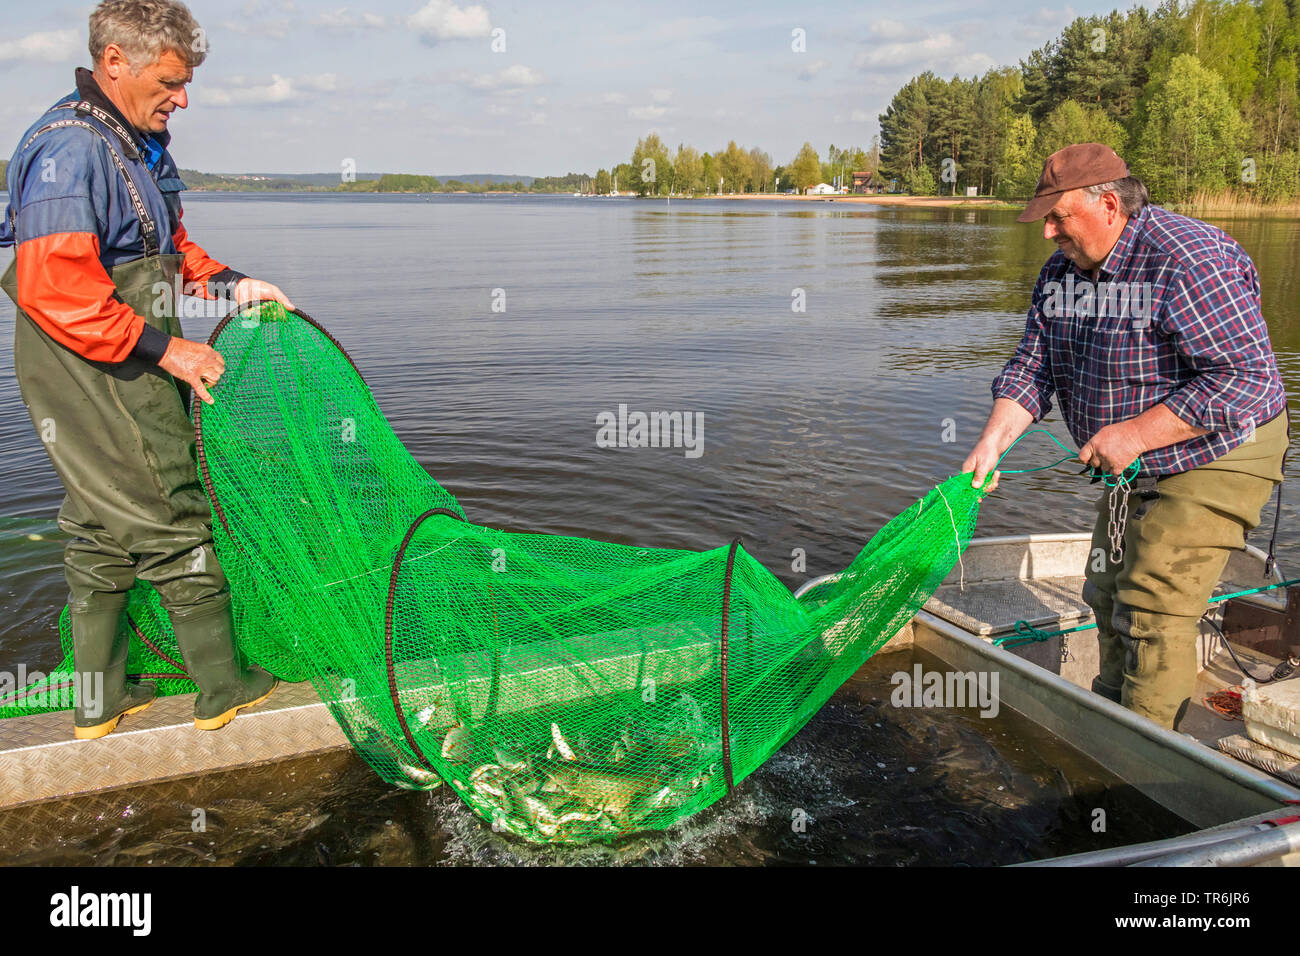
{"x":861,"y":116}
{"x":974,"y":63}
{"x":244,"y":91}
{"x":907,"y":52}
{"x":889,"y":29}
{"x":443,"y":20}
{"x":318,"y":82}
{"x":274,"y":28}
{"x":613,"y":98}
{"x":53,"y":46}
{"x":661,"y":95}
{"x":1050,"y":17}
{"x":809,"y":70}
{"x":1044,"y":24}
{"x":345,"y":19}
{"x":511,"y":79}
{"x":647,"y":112}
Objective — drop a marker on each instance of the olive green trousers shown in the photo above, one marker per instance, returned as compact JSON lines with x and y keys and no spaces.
{"x":120,"y":438}
{"x":1176,"y":544}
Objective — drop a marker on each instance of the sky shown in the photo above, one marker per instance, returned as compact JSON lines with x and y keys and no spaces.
{"x":442,"y":87}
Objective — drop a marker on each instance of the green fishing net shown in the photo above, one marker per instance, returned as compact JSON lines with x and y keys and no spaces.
{"x":569,"y":690}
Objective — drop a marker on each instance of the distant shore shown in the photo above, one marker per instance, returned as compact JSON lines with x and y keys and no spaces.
{"x":878,"y":199}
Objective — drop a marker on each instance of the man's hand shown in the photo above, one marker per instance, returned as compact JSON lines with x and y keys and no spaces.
{"x":1114,"y":448}
{"x":253,"y":290}
{"x":193,"y":363}
{"x":1007,"y":422}
{"x":983,"y":459}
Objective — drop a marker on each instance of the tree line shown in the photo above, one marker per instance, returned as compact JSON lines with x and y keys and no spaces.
{"x":1201,"y":100}
{"x":656,"y":170}
{"x":413,"y":183}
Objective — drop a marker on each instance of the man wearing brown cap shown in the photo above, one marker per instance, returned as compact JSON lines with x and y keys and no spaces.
{"x":1146,"y":325}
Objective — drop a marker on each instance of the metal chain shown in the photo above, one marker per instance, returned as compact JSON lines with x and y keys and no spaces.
{"x":1118,"y":506}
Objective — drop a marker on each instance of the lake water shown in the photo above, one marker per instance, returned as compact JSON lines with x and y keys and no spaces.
{"x":494,"y":331}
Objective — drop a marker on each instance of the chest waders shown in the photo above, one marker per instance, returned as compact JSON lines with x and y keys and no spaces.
{"x":1180,"y":532}
{"x":120,"y":439}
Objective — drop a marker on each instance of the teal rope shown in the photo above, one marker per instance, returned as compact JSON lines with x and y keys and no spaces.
{"x":1025,"y":471}
{"x":1109,"y":480}
{"x":1028,"y":634}
{"x":1267,"y":587}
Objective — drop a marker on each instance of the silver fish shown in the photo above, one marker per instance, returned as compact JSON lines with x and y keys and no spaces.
{"x":547,"y":820}
{"x":561,"y":745}
{"x":510,"y":761}
{"x":417,"y":778}
{"x":652,"y":749}
{"x":539,"y":814}
{"x":574,"y":817}
{"x":458,"y":745}
{"x":596,"y":787}
{"x":489,"y":780}
{"x":662,"y":798}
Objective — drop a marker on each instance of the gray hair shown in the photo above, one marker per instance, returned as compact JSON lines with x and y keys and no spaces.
{"x":1132,"y":193}
{"x":145,"y":30}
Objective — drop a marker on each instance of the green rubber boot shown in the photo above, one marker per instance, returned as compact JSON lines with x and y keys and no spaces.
{"x":225,"y":687}
{"x":99,"y":656}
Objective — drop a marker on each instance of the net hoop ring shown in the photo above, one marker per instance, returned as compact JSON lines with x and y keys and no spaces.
{"x":204,"y":472}
{"x":388,"y":627}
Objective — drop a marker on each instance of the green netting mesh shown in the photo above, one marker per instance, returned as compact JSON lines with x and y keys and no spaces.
{"x":568,"y":689}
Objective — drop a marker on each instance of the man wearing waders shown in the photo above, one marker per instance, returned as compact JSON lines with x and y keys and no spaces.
{"x":1147,"y":327}
{"x":95,"y":214}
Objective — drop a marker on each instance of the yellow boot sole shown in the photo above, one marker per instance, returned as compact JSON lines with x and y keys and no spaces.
{"x":216,"y":723}
{"x":107,"y":727}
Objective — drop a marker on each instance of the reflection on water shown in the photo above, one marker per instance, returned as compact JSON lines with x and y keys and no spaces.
{"x":874,"y":784}
{"x":819,"y":425}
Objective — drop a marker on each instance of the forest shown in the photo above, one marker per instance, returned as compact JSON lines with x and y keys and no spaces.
{"x":1200,"y":100}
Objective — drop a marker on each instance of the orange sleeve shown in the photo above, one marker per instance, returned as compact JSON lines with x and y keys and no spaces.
{"x":198,"y":267}
{"x":62,"y":285}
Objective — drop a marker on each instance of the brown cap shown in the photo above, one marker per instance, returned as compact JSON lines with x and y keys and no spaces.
{"x":1084,"y":164}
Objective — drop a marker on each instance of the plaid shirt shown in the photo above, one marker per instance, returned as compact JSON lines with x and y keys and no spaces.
{"x":1173,"y":317}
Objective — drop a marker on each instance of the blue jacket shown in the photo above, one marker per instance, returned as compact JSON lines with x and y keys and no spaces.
{"x":72,"y":216}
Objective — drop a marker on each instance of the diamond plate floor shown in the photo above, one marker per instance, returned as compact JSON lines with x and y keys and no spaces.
{"x":992,"y":608}
{"x":41,"y":760}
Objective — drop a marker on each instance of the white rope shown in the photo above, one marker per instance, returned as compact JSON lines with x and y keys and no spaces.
{"x":388,"y":568}
{"x":955,"y":536}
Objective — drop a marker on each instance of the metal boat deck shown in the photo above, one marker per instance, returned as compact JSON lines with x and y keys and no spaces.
{"x":40,"y":759}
